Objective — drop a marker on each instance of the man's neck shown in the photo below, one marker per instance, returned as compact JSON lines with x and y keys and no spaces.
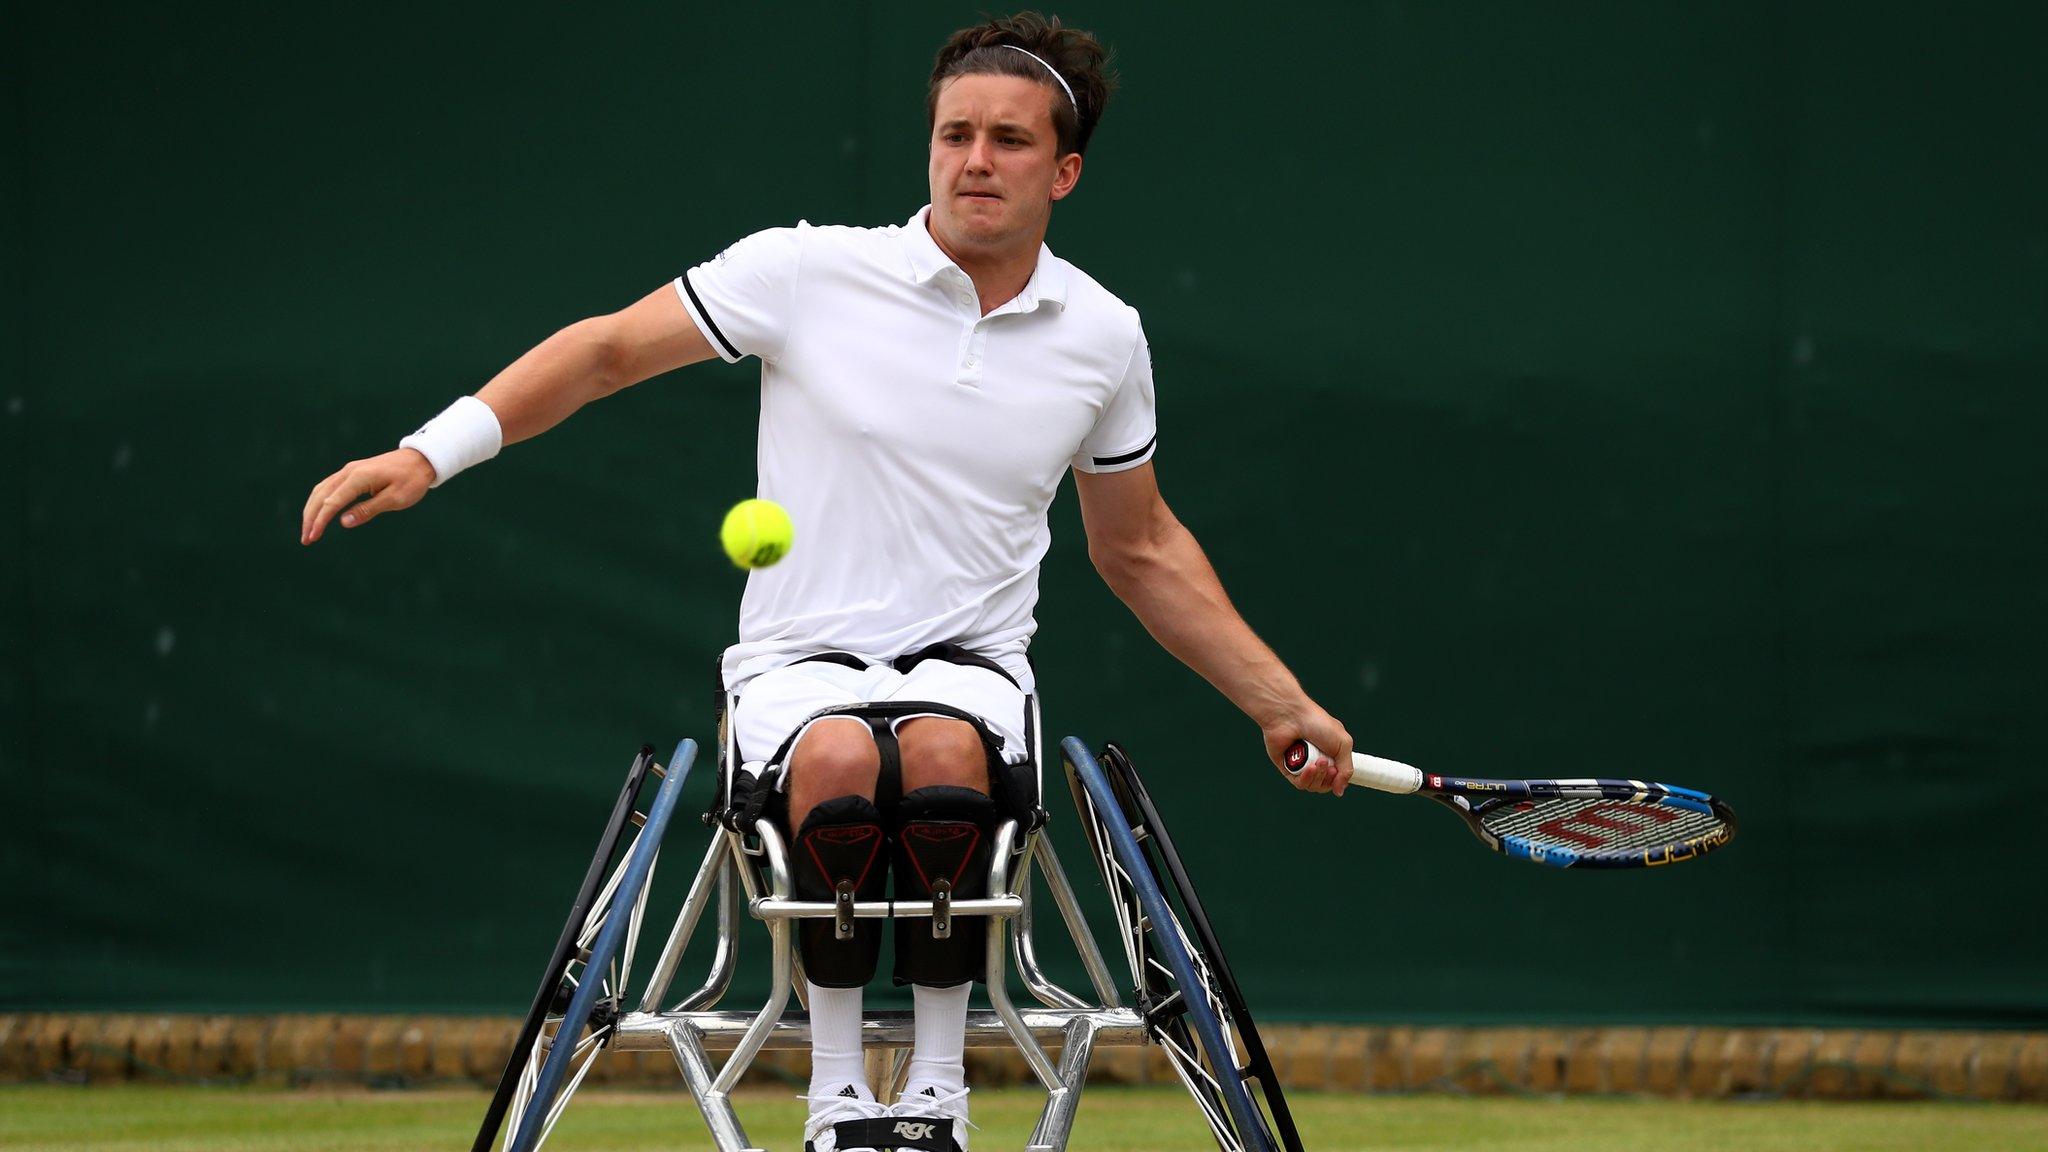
{"x":998,"y":276}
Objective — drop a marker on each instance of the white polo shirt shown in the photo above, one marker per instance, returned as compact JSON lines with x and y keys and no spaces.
{"x":915,"y":442}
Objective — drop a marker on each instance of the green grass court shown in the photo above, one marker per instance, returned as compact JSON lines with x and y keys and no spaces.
{"x":185,"y":1119}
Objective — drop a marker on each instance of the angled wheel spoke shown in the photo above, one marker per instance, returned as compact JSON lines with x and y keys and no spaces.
{"x":587,"y":1053}
{"x":633,"y":922}
{"x":1203,"y":1089}
{"x":1192,"y":1062}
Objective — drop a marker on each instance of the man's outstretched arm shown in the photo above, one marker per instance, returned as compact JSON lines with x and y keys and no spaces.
{"x":1153,"y":564}
{"x":586,"y":361}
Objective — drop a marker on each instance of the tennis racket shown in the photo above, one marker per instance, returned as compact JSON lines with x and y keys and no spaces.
{"x":1562,"y":823}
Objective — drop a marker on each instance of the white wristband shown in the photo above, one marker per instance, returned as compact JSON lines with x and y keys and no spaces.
{"x":466,"y":434}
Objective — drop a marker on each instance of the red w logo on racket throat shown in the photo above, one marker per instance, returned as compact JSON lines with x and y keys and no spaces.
{"x":1592,"y":827}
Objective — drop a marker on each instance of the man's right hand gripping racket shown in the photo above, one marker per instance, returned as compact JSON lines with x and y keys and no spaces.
{"x":1562,"y":823}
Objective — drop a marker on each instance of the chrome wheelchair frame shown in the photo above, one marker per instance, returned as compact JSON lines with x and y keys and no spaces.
{"x":1182,"y":996}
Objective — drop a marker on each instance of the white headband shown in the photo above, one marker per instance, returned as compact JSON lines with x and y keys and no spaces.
{"x":1049,"y":68}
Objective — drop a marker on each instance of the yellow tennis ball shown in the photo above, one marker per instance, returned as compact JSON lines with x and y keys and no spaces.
{"x":756,"y":533}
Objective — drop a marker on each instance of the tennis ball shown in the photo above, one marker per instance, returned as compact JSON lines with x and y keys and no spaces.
{"x":756,"y":533}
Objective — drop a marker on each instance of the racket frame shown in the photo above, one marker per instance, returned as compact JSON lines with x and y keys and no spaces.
{"x":1473,"y":799}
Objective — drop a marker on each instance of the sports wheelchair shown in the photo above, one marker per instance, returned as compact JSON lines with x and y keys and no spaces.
{"x":1179,"y":995}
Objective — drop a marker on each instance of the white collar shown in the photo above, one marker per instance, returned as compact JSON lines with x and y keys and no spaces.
{"x":1048,"y":283}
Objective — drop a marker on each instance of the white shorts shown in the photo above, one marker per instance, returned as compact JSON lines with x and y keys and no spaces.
{"x":776,"y":702}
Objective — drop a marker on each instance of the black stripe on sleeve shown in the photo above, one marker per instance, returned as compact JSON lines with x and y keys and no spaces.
{"x":1126,"y":458}
{"x":706,"y":314}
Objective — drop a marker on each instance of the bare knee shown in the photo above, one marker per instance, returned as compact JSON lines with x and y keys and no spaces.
{"x":939,"y":750}
{"x":834,"y":758}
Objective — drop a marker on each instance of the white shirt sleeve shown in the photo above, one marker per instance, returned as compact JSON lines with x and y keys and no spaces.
{"x":1127,"y":432}
{"x":742,"y":298}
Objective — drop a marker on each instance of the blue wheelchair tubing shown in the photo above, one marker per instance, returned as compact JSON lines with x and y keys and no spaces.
{"x":1250,"y":1124}
{"x":638,"y":864}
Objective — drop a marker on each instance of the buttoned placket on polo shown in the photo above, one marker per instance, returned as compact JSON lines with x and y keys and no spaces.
{"x":973,"y":350}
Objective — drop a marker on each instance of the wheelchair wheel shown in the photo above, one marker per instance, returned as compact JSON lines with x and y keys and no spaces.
{"x":1192,"y":1006}
{"x":582,"y":991}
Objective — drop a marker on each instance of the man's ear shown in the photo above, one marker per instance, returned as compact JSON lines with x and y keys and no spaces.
{"x":1069,"y":175}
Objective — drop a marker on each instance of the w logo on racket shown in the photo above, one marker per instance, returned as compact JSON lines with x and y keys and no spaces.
{"x":1590,"y":827}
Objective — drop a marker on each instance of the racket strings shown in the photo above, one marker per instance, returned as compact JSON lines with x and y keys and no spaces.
{"x":1595,"y":825}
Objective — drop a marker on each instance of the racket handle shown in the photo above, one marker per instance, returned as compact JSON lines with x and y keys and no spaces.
{"x":1366,"y":771}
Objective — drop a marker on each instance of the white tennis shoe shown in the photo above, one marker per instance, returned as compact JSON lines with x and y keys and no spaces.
{"x":937,"y":1105}
{"x":849,"y":1102}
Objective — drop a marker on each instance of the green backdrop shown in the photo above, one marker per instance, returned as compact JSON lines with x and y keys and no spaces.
{"x":1610,"y":389}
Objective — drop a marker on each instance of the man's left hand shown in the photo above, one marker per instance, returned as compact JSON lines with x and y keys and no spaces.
{"x":1332,"y":772}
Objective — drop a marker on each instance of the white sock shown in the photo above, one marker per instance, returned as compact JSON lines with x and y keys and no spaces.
{"x":938,"y":1055}
{"x":835,"y":1040}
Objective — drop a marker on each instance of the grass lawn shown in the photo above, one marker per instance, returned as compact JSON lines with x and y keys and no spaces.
{"x":192,"y":1119}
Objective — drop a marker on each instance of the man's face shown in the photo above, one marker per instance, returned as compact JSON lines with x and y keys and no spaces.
{"x":995,"y":163}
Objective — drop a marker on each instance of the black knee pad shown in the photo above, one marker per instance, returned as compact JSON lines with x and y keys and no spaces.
{"x":841,"y":852}
{"x":942,"y":845}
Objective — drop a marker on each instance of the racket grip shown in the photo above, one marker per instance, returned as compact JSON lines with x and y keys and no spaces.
{"x":1366,"y":771}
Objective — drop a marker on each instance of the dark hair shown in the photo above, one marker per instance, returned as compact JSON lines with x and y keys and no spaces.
{"x":1080,"y":58}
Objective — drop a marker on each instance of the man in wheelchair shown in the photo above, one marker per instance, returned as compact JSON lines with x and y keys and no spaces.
{"x":925,"y":387}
